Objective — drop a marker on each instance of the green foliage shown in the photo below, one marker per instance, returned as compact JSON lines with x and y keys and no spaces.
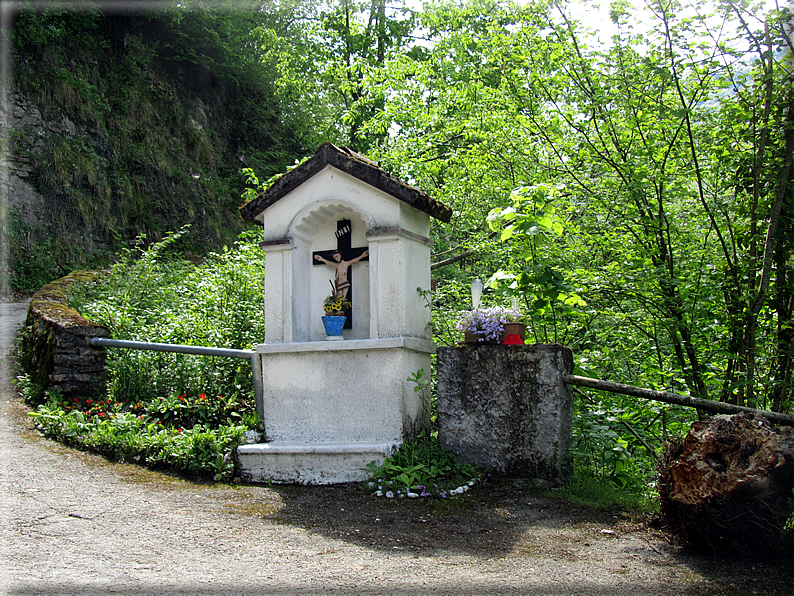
{"x":178,"y":411}
{"x":421,"y":468}
{"x":531,"y":225}
{"x":151,"y":295}
{"x":331,"y":58}
{"x":631,"y":234}
{"x":34,"y":259}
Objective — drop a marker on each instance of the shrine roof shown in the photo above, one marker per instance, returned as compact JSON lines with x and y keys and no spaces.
{"x":354,"y":164}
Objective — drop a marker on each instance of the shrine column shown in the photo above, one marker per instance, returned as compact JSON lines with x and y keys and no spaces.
{"x":278,"y":299}
{"x":397,"y":308}
{"x":387,"y":275}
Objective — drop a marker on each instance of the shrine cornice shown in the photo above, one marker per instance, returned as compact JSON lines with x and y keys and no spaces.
{"x":386,"y":233}
{"x":354,"y":164}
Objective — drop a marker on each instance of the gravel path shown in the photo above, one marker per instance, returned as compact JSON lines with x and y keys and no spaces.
{"x":12,"y":317}
{"x":74,"y":523}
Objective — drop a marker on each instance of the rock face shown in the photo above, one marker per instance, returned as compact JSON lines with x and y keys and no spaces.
{"x":110,"y":133}
{"x":726,"y":488}
{"x":24,"y":118}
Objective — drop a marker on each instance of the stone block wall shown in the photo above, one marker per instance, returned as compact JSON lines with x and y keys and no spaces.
{"x":507,"y":408}
{"x":54,"y":349}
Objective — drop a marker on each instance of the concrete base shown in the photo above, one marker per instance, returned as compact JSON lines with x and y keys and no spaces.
{"x":348,"y":392}
{"x":332,"y":407}
{"x":304,"y":463}
{"x":507,"y":408}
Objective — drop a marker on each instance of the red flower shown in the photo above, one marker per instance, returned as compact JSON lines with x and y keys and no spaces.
{"x":88,"y":402}
{"x":202,"y":396}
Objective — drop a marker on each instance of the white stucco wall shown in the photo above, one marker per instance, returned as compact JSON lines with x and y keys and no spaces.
{"x":343,"y":392}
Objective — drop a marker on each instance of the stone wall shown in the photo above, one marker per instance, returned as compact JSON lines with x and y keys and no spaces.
{"x":54,"y":349}
{"x":507,"y":408}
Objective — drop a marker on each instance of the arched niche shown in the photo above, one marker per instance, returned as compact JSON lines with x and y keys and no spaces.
{"x":314,"y":229}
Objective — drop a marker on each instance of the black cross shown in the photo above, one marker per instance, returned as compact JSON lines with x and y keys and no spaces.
{"x":344,"y":239}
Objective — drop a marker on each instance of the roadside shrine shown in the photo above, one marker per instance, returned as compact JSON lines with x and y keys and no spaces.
{"x":339,"y":225}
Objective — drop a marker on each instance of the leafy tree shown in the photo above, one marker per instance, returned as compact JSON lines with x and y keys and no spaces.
{"x":331,"y":58}
{"x":659,"y":168}
{"x":669,"y":147}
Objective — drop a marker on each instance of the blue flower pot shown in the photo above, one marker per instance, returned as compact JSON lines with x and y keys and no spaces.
{"x":334,"y":325}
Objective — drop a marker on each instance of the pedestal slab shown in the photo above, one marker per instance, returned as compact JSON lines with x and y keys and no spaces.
{"x":332,"y":407}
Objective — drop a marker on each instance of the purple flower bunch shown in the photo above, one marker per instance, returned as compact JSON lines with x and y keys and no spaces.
{"x":487,"y":323}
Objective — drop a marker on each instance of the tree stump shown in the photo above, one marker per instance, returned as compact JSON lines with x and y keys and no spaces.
{"x":726,"y":488}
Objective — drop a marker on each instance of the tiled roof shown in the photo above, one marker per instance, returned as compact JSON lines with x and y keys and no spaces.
{"x":356,"y":165}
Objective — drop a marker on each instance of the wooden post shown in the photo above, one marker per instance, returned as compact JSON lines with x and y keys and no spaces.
{"x":674,"y":398}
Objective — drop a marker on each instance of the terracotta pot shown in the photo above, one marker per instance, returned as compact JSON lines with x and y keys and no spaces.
{"x":473,"y":338}
{"x":519,"y":329}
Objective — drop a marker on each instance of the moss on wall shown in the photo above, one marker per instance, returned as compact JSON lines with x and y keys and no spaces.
{"x":128,"y":124}
{"x":54,"y":350}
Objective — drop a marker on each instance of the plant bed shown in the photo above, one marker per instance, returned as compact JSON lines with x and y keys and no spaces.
{"x":147,"y":435}
{"x":421,"y":468}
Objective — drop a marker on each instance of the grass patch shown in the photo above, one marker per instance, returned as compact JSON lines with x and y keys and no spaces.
{"x":601,"y":495}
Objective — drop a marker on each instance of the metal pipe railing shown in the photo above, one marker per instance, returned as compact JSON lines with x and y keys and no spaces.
{"x":252,"y":355}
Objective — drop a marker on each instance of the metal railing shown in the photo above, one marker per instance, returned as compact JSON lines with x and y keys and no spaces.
{"x":251,"y":355}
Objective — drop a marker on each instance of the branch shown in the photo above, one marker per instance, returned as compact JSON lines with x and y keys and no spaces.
{"x":454,"y":259}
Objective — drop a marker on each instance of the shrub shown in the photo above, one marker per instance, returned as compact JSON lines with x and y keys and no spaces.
{"x":184,"y":412}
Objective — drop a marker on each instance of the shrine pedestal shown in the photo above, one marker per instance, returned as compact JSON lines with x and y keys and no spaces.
{"x":310,"y":463}
{"x":332,"y":407}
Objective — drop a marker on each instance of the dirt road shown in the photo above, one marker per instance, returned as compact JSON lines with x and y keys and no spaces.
{"x":12,"y":317}
{"x":74,"y":523}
